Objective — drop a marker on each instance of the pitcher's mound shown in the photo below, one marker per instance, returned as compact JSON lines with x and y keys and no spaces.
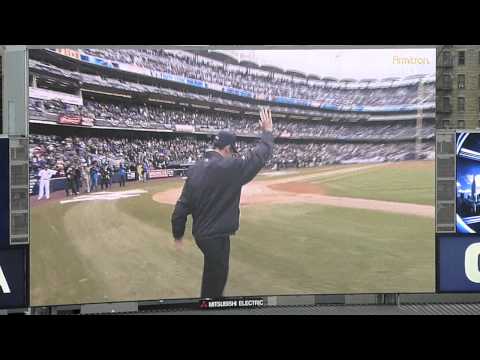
{"x":253,"y":193}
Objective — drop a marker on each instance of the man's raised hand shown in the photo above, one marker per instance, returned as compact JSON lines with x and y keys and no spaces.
{"x":266,"y":119}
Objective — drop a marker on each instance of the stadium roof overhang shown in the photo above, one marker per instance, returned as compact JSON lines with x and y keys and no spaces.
{"x":215,"y":55}
{"x":249,"y":64}
{"x":272,"y":69}
{"x":296,"y":73}
{"x":391,"y":79}
{"x":328,"y":78}
{"x":413,"y":77}
{"x":313,"y":77}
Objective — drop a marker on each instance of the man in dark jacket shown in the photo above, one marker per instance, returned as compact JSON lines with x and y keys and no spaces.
{"x":77,"y":174}
{"x":104,"y":177}
{"x":211,"y":194}
{"x":70,"y":184}
{"x":122,"y":172}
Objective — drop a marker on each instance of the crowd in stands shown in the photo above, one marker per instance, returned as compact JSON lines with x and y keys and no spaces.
{"x":61,"y":153}
{"x":104,"y":81}
{"x":74,"y":157}
{"x":148,"y":89}
{"x":315,"y":154}
{"x":147,"y":116}
{"x":201,"y":68}
{"x":55,"y":151}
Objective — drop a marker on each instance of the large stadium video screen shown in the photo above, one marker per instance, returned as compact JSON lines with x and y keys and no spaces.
{"x":468,"y":169}
{"x":125,"y":144}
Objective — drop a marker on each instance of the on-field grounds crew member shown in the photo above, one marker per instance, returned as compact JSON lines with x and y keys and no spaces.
{"x":211,"y":194}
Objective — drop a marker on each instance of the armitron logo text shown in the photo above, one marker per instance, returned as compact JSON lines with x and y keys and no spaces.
{"x":397,"y":60}
{"x":3,"y":283}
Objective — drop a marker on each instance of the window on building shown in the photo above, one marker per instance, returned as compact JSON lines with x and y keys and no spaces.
{"x":446,"y":124}
{"x":446,"y":57}
{"x":446,"y":81}
{"x":461,"y":81}
{"x":461,"y":124}
{"x":461,"y":104}
{"x":461,"y":58}
{"x":446,"y":103}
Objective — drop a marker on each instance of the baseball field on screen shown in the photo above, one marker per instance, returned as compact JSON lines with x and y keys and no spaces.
{"x":338,"y":229}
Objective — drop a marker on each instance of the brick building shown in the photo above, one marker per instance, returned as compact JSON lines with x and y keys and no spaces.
{"x":458,"y":87}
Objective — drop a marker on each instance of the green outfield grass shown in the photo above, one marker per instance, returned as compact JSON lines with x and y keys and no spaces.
{"x":286,"y":173}
{"x":123,"y":250}
{"x":410,"y":182}
{"x":322,"y":249}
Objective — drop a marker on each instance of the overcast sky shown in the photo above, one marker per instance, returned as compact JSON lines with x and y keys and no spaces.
{"x":339,"y":63}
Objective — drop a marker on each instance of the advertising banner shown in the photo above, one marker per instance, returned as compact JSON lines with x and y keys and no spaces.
{"x":134,"y":69}
{"x":128,"y":67}
{"x":238,"y":92}
{"x":215,"y":87}
{"x":162,"y":173}
{"x":231,"y":303}
{"x":205,"y":129}
{"x":185,"y":128}
{"x":44,"y":94}
{"x":70,"y":119}
{"x":458,"y":263}
{"x":179,"y":79}
{"x":13,"y":277}
{"x":72,"y":53}
{"x":88,"y":121}
{"x":98,"y":61}
{"x":196,"y":83}
{"x":285,"y":100}
{"x":358,"y":108}
{"x":329,"y":107}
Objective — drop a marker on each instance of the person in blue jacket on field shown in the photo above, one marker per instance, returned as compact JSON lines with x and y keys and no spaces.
{"x":122,"y":172}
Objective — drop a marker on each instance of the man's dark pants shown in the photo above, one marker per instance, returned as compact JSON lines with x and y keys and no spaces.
{"x":216,"y":257}
{"x":71,"y":186}
{"x":122,"y":180}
